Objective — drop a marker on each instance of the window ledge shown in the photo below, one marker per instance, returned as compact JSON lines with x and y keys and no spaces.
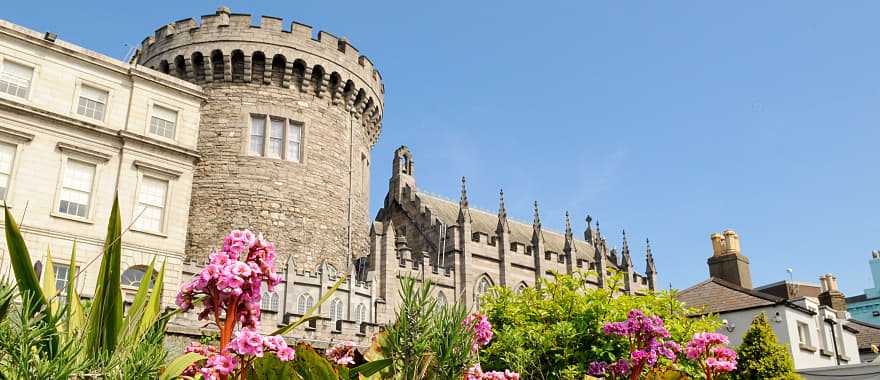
{"x":71,"y":217}
{"x":299,"y":162}
{"x":805,"y":347}
{"x":843,"y":358}
{"x":334,"y":331}
{"x":825,"y":352}
{"x":148,"y":232}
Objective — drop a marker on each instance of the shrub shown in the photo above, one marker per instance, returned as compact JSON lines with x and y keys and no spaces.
{"x":555,"y":331}
{"x":761,"y":356}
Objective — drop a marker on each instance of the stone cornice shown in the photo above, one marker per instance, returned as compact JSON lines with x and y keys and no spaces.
{"x":14,"y":134}
{"x":73,"y":149}
{"x":156,"y":168}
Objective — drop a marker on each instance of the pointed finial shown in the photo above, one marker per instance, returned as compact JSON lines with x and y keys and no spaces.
{"x":648,"y":245}
{"x":463,"y":202}
{"x":536,"y":221}
{"x":502,"y":211}
{"x":567,"y":223}
{"x":589,"y":220}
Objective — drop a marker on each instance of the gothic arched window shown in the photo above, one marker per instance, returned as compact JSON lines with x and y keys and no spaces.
{"x":483,"y":286}
{"x":441,"y":300}
{"x":270,"y":300}
{"x":134,"y":275}
{"x":521,"y":287}
{"x":304,"y":303}
{"x":360,"y":313}
{"x":336,"y":310}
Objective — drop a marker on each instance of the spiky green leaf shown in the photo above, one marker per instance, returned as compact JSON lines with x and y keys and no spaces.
{"x":105,"y":317}
{"x":178,"y":365}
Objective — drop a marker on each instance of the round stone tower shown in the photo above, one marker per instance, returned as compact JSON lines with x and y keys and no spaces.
{"x":285,"y":133}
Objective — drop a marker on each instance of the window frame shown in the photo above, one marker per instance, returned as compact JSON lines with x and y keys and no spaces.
{"x":268,"y":116}
{"x":336,"y":308}
{"x":145,"y":169}
{"x":309,"y":302}
{"x":34,"y":70}
{"x":150,"y":113}
{"x":68,"y":153}
{"x":273,"y":298}
{"x":74,"y":109}
{"x":14,"y":165}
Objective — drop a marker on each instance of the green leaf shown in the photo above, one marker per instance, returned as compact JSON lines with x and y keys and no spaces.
{"x":136,"y":311}
{"x":371,"y":368}
{"x":75,"y":312}
{"x":270,"y":367}
{"x":48,"y":280}
{"x":22,"y":266}
{"x":7,"y":294}
{"x":178,"y":365}
{"x":154,"y":306}
{"x":308,"y":315}
{"x":310,"y":365}
{"x":105,"y":316}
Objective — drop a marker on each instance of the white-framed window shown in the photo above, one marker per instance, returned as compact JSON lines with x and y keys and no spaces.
{"x":163,"y":121}
{"x":304,"y":303}
{"x":360,"y":313}
{"x":133,"y":276}
{"x":7,"y":159}
{"x":15,"y":78}
{"x":522,"y":287}
{"x":269,"y":300}
{"x":152,"y":198}
{"x":76,"y":188}
{"x":275,"y":137}
{"x":92,"y":102}
{"x":803,"y":334}
{"x":336,"y":310}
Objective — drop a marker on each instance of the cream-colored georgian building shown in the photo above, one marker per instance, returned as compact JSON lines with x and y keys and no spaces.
{"x":74,"y":127}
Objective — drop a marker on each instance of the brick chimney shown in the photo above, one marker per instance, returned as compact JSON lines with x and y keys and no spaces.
{"x":727,"y":262}
{"x":831,"y":296}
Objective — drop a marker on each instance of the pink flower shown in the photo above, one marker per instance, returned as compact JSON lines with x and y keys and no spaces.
{"x":482,"y":329}
{"x":342,"y":353}
{"x":285,"y":354}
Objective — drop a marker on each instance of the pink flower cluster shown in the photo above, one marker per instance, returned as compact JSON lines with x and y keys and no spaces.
{"x":482,"y":329}
{"x":248,"y":341}
{"x":476,"y":373}
{"x":708,"y":348}
{"x":216,"y":366}
{"x":646,"y":336}
{"x":234,"y":278}
{"x":342,"y":353}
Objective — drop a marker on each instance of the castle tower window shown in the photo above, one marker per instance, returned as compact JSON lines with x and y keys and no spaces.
{"x":304,"y":303}
{"x":283,"y":140}
{"x":76,"y":188}
{"x":163,"y":121}
{"x":276,"y":138}
{"x":15,"y":78}
{"x":92,"y":102}
{"x":150,"y":212}
{"x":7,"y":158}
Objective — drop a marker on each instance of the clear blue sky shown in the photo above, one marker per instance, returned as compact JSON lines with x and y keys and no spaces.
{"x":669,"y":119}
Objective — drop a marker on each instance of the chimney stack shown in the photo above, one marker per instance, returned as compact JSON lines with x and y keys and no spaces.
{"x":831,"y":296}
{"x":727,"y":261}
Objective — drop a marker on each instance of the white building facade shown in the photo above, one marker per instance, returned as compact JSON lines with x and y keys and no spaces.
{"x":75,"y":128}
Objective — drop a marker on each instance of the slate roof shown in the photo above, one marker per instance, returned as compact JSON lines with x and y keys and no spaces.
{"x":866,"y":333}
{"x":858,"y":298}
{"x":520,"y":232}
{"x":717,"y":296}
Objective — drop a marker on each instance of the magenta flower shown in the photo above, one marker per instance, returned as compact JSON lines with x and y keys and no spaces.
{"x":481,"y":328}
{"x":342,"y":353}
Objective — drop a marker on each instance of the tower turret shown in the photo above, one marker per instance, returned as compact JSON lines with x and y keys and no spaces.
{"x":288,"y":125}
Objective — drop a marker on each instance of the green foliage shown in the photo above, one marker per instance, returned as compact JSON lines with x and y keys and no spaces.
{"x":105,"y":318}
{"x":23,"y":338}
{"x":426,"y":341}
{"x":555,"y":331}
{"x":760,"y":356}
{"x":101,"y":340}
{"x":178,"y":365}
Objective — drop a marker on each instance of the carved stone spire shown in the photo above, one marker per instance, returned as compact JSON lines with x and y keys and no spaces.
{"x":649,"y":259}
{"x":502,"y":215}
{"x":464,"y":214}
{"x":536,"y":218}
{"x":589,"y":233}
{"x":569,"y":235}
{"x":625,"y":255}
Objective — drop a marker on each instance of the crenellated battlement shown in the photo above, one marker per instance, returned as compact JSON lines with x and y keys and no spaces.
{"x":227,"y":47}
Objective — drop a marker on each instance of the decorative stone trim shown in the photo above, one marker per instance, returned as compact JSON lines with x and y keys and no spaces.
{"x":143,"y":165}
{"x":14,"y":134}
{"x":75,"y":150}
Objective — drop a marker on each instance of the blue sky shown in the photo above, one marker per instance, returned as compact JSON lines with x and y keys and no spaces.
{"x":669,"y":119}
